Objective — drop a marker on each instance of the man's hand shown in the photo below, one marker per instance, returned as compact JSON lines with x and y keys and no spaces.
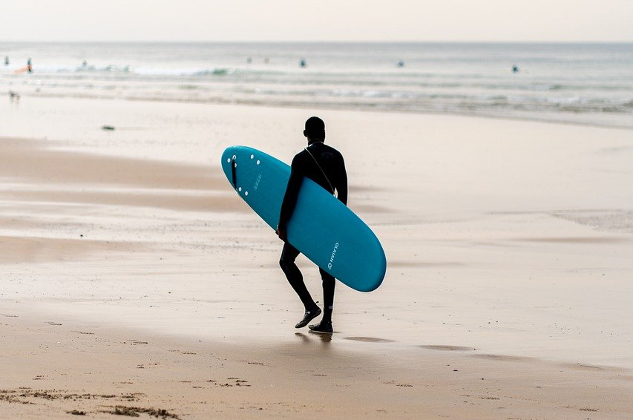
{"x":282,"y":233}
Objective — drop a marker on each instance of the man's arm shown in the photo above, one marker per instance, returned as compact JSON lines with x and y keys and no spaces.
{"x":290,"y":199}
{"x":341,"y":186}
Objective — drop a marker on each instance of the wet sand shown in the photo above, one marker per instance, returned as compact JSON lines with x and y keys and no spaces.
{"x":59,"y":369}
{"x":146,"y":284}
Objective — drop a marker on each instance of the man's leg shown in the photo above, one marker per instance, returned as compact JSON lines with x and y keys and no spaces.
{"x":328,"y":295}
{"x":295,"y":278}
{"x":325,"y":326}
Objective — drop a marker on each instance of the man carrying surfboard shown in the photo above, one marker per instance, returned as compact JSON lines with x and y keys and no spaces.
{"x":325,"y":166}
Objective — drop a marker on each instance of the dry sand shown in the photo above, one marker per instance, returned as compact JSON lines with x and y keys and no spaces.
{"x":145,"y":286}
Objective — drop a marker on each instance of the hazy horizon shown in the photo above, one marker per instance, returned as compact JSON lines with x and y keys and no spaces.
{"x":520,"y":21}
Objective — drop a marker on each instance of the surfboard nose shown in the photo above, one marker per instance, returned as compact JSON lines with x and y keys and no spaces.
{"x":229,"y":164}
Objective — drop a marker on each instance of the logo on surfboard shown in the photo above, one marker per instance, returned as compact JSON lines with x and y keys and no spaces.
{"x":333,"y":256}
{"x":259,"y":178}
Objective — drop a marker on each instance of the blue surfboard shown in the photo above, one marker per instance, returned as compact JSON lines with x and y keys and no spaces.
{"x":321,"y":227}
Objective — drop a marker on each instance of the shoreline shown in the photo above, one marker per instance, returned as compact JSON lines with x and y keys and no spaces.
{"x":349,"y":108}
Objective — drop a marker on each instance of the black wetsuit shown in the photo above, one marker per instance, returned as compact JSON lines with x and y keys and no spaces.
{"x":332,"y":176}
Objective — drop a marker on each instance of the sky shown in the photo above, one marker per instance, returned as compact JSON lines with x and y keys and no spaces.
{"x":318,"y":20}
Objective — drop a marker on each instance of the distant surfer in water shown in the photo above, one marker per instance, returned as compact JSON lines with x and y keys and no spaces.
{"x":325,"y":166}
{"x":27,"y":68}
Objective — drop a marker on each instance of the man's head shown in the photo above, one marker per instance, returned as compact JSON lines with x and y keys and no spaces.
{"x":315,"y":129}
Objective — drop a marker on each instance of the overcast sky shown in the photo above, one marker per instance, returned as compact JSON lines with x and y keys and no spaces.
{"x":316,"y":20}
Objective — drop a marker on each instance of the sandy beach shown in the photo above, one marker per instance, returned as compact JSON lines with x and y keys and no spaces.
{"x":135,"y":281}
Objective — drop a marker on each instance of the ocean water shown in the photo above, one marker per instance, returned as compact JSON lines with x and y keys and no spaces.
{"x":573,"y":83}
